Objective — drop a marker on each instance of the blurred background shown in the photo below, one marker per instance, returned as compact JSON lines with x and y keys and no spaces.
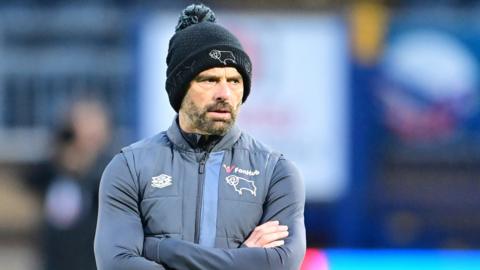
{"x":377,"y":102}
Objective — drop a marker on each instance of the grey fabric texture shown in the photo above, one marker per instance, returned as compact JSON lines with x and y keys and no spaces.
{"x":146,"y":225}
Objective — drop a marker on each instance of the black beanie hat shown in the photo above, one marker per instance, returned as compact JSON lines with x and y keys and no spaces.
{"x":200,"y":44}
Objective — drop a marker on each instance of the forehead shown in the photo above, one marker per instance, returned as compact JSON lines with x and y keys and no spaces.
{"x":220,"y":71}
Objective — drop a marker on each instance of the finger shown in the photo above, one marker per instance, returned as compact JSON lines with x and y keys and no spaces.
{"x":274,"y":244}
{"x":267,"y":227}
{"x":267,"y":238}
{"x":256,"y":236}
{"x":267,"y":224}
{"x":271,"y":229}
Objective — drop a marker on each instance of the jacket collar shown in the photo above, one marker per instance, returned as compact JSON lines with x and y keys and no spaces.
{"x":175,"y":135}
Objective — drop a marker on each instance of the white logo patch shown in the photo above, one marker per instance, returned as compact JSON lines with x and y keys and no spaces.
{"x":161,"y":181}
{"x":240,"y":184}
{"x":223,"y":56}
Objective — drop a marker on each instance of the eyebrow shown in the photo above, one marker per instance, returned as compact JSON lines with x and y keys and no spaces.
{"x":235,"y":77}
{"x":216,"y":77}
{"x":206,"y":77}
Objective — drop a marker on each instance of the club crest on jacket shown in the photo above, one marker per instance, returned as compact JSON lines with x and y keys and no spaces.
{"x":241,"y":184}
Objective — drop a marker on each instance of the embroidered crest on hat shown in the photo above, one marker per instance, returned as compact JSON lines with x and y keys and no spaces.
{"x":223,"y":56}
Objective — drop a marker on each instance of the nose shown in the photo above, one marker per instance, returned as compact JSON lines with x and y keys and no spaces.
{"x":223,"y":91}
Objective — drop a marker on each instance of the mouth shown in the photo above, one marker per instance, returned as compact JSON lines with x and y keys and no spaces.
{"x":221,"y":111}
{"x":220,"y":114}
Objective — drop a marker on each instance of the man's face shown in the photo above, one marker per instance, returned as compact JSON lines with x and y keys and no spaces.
{"x":212,"y":102}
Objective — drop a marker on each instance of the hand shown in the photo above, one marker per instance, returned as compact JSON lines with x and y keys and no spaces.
{"x":269,"y":234}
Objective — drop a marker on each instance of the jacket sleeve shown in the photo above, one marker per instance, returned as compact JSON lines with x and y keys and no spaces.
{"x":119,"y":236}
{"x":285,"y":202}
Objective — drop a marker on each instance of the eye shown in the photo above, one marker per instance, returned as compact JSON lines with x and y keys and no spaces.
{"x":211,"y":80}
{"x":208,"y":80}
{"x":234,"y":81}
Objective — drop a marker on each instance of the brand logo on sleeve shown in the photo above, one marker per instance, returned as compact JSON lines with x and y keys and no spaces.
{"x":161,"y":181}
{"x":241,"y":184}
{"x":235,"y":169}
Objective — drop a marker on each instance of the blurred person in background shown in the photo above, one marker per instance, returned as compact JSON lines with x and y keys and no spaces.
{"x":203,"y":194}
{"x":68,"y":184}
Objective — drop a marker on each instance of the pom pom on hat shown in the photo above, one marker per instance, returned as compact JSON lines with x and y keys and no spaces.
{"x":193,"y":14}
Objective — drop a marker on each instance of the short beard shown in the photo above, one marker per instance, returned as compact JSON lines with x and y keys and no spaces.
{"x":199,"y":120}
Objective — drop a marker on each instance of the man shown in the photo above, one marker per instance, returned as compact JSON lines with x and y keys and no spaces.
{"x":68,"y":183}
{"x":203,"y":194}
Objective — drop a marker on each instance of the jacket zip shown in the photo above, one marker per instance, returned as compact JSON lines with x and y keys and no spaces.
{"x":201,"y":182}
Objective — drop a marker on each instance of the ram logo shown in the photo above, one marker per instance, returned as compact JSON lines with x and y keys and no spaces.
{"x":223,"y":56}
{"x":241,"y":184}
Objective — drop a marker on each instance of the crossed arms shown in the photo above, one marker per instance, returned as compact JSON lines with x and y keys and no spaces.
{"x":120,"y":242}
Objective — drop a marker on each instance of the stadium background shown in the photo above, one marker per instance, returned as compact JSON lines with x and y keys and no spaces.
{"x":377,"y":102}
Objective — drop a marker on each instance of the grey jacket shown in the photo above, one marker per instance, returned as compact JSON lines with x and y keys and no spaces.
{"x":166,"y":205}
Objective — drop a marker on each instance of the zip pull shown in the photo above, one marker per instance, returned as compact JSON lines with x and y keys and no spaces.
{"x":201,"y":167}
